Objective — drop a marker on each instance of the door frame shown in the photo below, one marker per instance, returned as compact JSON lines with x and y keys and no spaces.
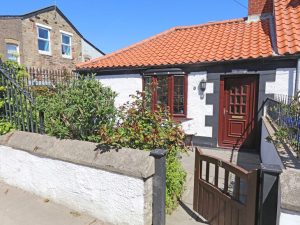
{"x":254,"y":105}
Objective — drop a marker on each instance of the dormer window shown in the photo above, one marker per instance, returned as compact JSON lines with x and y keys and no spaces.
{"x":44,"y":46}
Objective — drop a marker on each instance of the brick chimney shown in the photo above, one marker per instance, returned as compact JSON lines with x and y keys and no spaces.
{"x":260,"y":7}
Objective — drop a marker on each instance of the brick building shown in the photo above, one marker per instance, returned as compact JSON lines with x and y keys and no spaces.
{"x":44,"y":39}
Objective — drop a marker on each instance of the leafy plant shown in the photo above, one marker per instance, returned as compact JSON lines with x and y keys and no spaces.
{"x":5,"y":127}
{"x":139,"y":127}
{"x":77,"y":110}
{"x":19,"y":70}
{"x":288,"y":130}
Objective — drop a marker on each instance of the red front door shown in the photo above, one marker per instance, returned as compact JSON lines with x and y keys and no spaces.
{"x":237,"y":114}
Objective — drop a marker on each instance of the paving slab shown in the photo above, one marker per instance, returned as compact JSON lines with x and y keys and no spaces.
{"x":18,"y":207}
{"x":185,"y":214}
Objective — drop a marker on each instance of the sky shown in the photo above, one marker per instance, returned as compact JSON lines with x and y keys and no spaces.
{"x":114,"y":24}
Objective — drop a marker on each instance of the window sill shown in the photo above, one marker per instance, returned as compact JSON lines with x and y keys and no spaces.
{"x":45,"y":53}
{"x":67,"y":57}
{"x":181,"y":119}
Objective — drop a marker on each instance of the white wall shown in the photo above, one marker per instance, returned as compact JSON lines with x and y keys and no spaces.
{"x":124,"y":85}
{"x":111,"y":197}
{"x":284,"y":83}
{"x":89,"y":51}
{"x":128,"y":84}
{"x":197,"y":108}
{"x":289,"y":218}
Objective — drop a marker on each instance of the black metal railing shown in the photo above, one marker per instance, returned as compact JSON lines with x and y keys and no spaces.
{"x":46,"y":77}
{"x":284,"y":111}
{"x":18,"y":104}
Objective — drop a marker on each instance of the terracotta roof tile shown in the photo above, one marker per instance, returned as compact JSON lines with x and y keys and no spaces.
{"x":226,"y":40}
{"x":287,"y":20}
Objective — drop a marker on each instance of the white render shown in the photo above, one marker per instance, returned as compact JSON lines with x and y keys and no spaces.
{"x":284,"y":82}
{"x":127,"y":84}
{"x":197,"y":108}
{"x":111,"y":197}
{"x":289,"y":218}
{"x":88,"y":51}
{"x":124,"y":85}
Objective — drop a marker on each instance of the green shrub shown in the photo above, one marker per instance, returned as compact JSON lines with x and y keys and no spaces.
{"x":288,"y":131}
{"x":43,"y":90}
{"x":5,"y":127}
{"x":19,"y":70}
{"x":76,"y":111}
{"x":140,"y":128}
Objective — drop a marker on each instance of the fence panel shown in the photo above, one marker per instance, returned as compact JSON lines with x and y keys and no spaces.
{"x":19,"y":106}
{"x":45,"y":77}
{"x":284,"y":111}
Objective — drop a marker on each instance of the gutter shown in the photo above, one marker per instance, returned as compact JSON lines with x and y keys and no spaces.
{"x":202,"y":64}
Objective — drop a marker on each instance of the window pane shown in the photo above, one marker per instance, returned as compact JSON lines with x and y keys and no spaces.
{"x":43,"y":33}
{"x":162,"y":91}
{"x":244,"y":100}
{"x":238,"y":99}
{"x":232,"y":99}
{"x":66,"y":50}
{"x":12,"y":52}
{"x":43,"y":45}
{"x":11,"y":48}
{"x":243,"y":109}
{"x":65,"y":39}
{"x":232,"y":109}
{"x":178,"y":95}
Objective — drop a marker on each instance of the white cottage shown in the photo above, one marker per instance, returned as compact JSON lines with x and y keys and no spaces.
{"x":215,"y":76}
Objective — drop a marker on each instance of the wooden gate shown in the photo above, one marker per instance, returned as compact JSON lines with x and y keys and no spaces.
{"x":224,"y":194}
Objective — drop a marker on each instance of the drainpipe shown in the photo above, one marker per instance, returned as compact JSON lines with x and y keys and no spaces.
{"x":297,"y":77}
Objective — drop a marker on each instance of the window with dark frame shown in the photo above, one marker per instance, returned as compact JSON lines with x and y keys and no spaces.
{"x":170,"y":91}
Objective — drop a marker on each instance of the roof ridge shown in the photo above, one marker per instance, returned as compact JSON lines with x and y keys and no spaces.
{"x":212,"y":23}
{"x":32,"y":12}
{"x":159,"y":35}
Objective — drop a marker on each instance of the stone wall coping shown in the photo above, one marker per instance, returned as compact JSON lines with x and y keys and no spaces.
{"x":131,"y":162}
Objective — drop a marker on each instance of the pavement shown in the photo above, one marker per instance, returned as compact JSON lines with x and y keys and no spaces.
{"x":18,"y":207}
{"x":184,"y":214}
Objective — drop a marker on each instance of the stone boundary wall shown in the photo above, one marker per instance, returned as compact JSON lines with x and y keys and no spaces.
{"x":112,"y":185}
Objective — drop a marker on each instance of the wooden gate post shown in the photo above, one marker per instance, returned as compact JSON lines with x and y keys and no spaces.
{"x":269,"y":196}
{"x":159,"y":187}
